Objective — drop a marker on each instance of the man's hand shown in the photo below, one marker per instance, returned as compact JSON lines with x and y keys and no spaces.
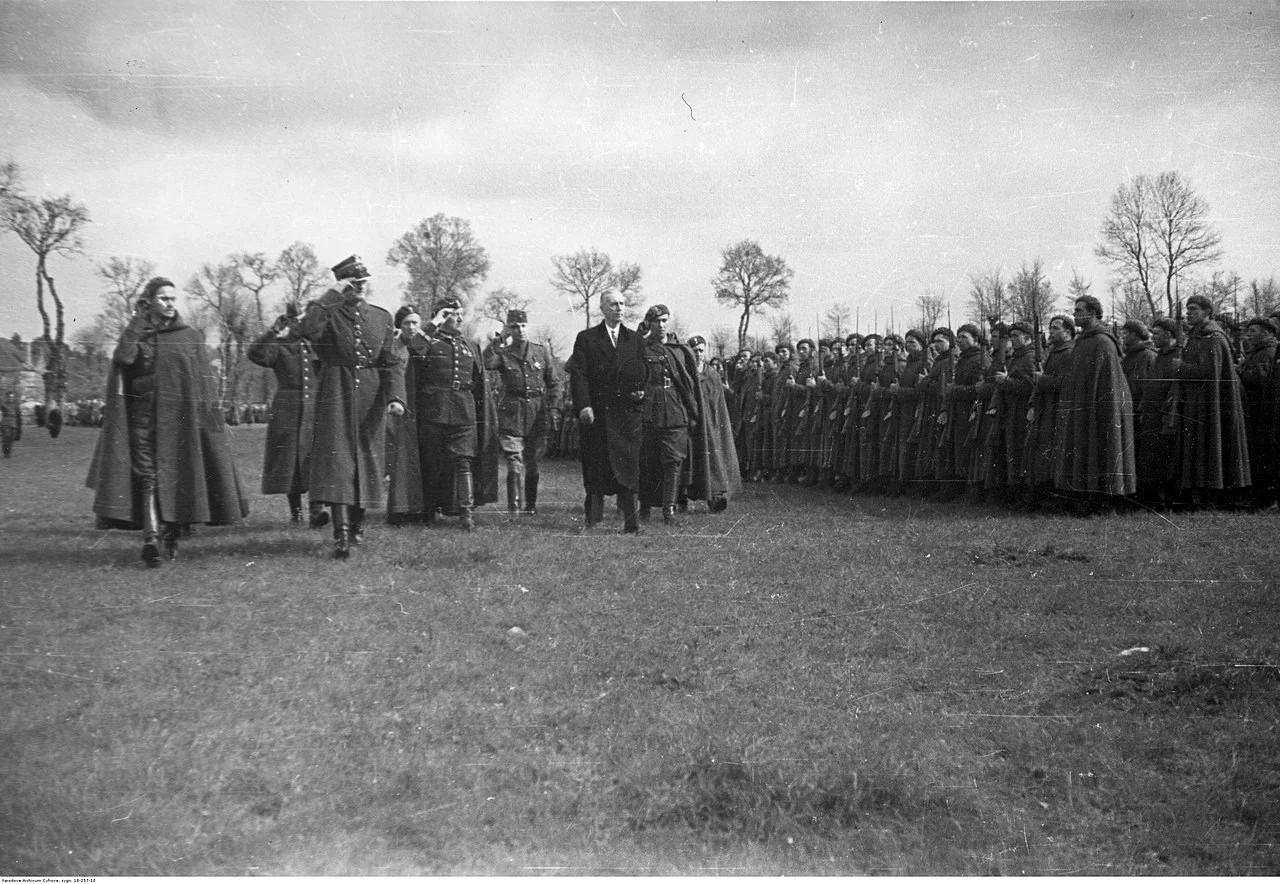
{"x":587,"y":417}
{"x":395,"y":408}
{"x":441,"y":315}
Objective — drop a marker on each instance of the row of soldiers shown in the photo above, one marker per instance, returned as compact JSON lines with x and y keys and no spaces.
{"x":1083,"y":421}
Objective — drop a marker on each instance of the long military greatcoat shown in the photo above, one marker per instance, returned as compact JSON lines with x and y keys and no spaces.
{"x":715,"y":469}
{"x":1259,"y":415}
{"x":1041,"y":455}
{"x":196,"y":479}
{"x":286,"y":459}
{"x":1213,"y":447}
{"x":359,"y":376}
{"x":1095,"y":453}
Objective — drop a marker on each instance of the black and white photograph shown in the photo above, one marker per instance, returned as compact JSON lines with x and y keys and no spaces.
{"x":664,"y":439}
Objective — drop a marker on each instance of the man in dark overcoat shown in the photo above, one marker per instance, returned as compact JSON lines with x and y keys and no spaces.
{"x":1213,"y":446}
{"x":529,"y":387}
{"x":163,"y":460}
{"x":10,"y":422}
{"x":607,"y":381}
{"x":1094,"y":451}
{"x":286,"y":458}
{"x":360,"y":382}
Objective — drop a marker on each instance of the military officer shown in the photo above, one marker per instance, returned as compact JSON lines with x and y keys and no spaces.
{"x":360,"y":381}
{"x":529,"y":387}
{"x":450,"y":404}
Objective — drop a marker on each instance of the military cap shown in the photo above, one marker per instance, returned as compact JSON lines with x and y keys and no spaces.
{"x":655,"y":311}
{"x":350,"y":268}
{"x":917,"y":334}
{"x":516,"y":316}
{"x":1024,"y":327}
{"x":1138,"y":328}
{"x":446,"y":303}
{"x":696,"y":340}
{"x":405,"y":311}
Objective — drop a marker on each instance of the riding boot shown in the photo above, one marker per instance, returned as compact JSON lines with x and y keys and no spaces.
{"x":515,"y":487}
{"x":355,"y":524}
{"x":318,"y":515}
{"x":341,"y":531}
{"x":150,"y":525}
{"x":670,"y":490}
{"x":530,"y":492}
{"x":630,"y":512}
{"x":295,"y":507}
{"x":463,"y":493}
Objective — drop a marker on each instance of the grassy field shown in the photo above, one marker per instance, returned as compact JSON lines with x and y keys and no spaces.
{"x":804,"y":684}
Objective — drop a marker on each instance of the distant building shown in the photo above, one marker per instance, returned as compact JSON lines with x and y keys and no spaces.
{"x":19,"y":374}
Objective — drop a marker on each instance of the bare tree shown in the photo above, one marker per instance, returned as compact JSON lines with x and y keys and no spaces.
{"x":588,"y":273}
{"x":1158,"y":228}
{"x":48,"y":226}
{"x":218,"y":294}
{"x":125,"y":278}
{"x":988,"y":297}
{"x":751,"y":281}
{"x":627,"y":281}
{"x":836,"y":321}
{"x":1264,"y":295}
{"x":721,"y":339}
{"x":256,"y":273}
{"x":782,"y":330}
{"x":302,"y":273}
{"x":1128,"y":301}
{"x":931,"y":307}
{"x":499,"y":301}
{"x":443,"y":259}
{"x":1183,"y":237}
{"x":1031,"y":295}
{"x":549,"y":336}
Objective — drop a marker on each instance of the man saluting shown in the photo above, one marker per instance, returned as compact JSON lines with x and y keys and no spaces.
{"x":359,"y":384}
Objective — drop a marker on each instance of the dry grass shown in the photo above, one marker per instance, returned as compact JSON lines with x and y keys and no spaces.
{"x":802,"y":685}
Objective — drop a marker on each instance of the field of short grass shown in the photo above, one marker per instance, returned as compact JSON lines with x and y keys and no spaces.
{"x":803,"y":685}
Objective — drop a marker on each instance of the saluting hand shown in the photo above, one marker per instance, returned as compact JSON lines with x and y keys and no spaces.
{"x":395,"y":408}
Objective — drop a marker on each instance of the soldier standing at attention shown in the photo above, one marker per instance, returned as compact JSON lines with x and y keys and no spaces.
{"x":359,"y":383}
{"x":529,"y":386}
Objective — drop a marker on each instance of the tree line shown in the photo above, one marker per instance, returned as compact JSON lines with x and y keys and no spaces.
{"x":1155,"y":237}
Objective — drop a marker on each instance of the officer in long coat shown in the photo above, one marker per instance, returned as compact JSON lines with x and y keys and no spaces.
{"x":359,"y":383}
{"x":529,"y":387}
{"x":286,"y":458}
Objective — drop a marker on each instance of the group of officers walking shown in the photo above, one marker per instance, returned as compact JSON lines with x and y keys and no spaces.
{"x":373,"y":410}
{"x":1083,"y":422}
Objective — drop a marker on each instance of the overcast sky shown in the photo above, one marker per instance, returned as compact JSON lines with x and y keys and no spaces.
{"x":884,"y":150}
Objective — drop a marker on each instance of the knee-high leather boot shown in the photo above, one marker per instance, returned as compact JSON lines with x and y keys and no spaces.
{"x":530,"y":492}
{"x":341,"y":531}
{"x":463,"y":492}
{"x":150,"y":525}
{"x":355,"y":524}
{"x":515,"y":486}
{"x":670,"y":488}
{"x":295,"y":507}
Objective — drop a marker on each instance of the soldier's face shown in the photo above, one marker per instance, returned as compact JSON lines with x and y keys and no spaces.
{"x":165,"y":302}
{"x":1058,"y":332}
{"x":658,"y":327}
{"x":966,"y":340}
{"x":940,"y":345}
{"x":784,"y":354}
{"x":1195,"y":313}
{"x":913,"y":346}
{"x":700,"y":353}
{"x":1256,"y":335}
{"x":411,"y":325}
{"x":1019,"y":339}
{"x":1161,"y":337}
{"x":518,"y":331}
{"x":453,"y":320}
{"x":802,"y":350}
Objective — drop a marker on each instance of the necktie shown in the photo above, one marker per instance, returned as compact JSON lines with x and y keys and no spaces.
{"x":613,"y":337}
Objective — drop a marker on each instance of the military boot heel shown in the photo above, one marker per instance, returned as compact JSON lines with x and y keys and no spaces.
{"x":150,"y":526}
{"x":341,"y":532}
